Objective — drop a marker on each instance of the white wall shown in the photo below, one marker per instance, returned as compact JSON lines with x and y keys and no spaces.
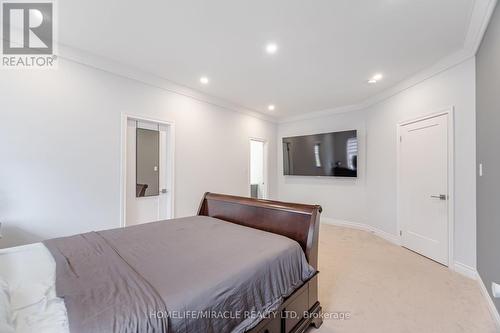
{"x":371,"y":199}
{"x":342,"y":199}
{"x":60,"y":152}
{"x":60,"y":149}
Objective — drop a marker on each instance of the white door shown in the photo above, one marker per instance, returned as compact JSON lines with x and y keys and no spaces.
{"x":148,"y":191}
{"x":258,"y":187}
{"x":423,"y":191}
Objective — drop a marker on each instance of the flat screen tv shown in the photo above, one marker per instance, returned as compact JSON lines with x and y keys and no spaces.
{"x":327,"y":154}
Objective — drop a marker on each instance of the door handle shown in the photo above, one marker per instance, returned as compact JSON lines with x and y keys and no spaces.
{"x":164,"y":190}
{"x":440,"y":196}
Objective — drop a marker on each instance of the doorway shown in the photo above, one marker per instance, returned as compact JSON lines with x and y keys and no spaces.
{"x":147,"y":166}
{"x":424,"y":186}
{"x":258,"y":175}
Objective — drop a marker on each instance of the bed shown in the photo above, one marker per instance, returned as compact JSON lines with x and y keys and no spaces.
{"x":240,"y":265}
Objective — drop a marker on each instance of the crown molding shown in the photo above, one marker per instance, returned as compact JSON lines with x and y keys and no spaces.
{"x":479,"y":19}
{"x":443,"y":65}
{"x":129,"y":72}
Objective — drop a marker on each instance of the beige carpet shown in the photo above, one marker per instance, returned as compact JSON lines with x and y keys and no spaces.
{"x":386,"y":288}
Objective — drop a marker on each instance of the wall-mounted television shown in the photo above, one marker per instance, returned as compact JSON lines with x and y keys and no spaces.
{"x":327,"y":154}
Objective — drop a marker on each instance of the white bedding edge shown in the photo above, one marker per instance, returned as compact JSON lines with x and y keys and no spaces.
{"x":29,"y":271}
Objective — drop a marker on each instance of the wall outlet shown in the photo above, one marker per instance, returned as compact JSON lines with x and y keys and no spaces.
{"x":495,"y":289}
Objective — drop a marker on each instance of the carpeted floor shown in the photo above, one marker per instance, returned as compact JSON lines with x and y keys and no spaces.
{"x":386,"y":288}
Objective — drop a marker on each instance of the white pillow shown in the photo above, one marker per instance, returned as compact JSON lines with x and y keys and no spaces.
{"x":30,"y":272}
{"x":47,"y":316}
{"x":27,"y":294}
{"x":5,"y":310}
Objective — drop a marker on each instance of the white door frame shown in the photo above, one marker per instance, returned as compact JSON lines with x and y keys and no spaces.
{"x":266,"y":183}
{"x":451,"y":178}
{"x":123,"y":161}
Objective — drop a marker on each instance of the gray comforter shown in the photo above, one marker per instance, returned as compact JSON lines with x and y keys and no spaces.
{"x":195,"y":274}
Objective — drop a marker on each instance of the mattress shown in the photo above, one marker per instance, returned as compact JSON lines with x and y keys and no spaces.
{"x":212,"y":275}
{"x":213,"y":266}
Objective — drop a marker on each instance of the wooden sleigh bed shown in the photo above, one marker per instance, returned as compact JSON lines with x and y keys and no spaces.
{"x":121,"y":280}
{"x":296,"y":221}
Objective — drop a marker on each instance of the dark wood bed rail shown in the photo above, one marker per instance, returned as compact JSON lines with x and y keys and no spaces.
{"x":296,"y":221}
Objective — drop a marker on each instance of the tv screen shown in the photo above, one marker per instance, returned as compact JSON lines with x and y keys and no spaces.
{"x":327,"y":154}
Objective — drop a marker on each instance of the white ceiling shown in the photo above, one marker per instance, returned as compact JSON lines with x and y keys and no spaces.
{"x":328,"y":49}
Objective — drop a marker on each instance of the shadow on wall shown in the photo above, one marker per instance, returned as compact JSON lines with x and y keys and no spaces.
{"x":13,"y":236}
{"x":321,"y":181}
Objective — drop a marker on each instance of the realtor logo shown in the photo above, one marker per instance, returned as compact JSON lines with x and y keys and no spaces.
{"x":27,"y":29}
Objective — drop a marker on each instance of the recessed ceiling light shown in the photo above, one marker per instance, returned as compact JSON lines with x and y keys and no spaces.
{"x":271,"y":107}
{"x":204,"y":80}
{"x":375,"y":78}
{"x":271,"y":48}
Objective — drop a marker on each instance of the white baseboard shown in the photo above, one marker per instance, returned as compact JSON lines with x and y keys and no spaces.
{"x":491,"y":305}
{"x":465,"y":270}
{"x":365,"y":227}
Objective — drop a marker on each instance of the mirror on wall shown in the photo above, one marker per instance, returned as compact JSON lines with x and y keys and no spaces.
{"x":147,"y":162}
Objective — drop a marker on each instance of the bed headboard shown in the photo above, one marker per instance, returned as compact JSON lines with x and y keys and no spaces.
{"x":296,"y":221}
